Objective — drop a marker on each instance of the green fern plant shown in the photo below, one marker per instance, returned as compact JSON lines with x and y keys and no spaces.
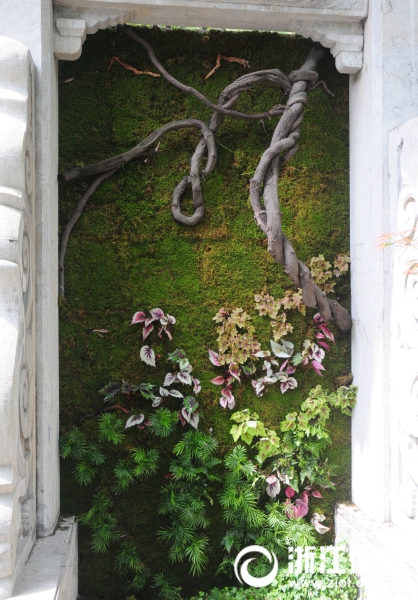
{"x":101,"y":522}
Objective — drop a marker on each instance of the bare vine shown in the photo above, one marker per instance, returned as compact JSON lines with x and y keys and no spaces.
{"x":264,"y":184}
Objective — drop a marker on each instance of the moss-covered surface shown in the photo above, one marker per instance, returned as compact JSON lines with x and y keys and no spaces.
{"x":126,"y":253}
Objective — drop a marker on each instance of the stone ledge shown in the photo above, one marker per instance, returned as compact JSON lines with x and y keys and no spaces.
{"x":383,"y":556}
{"x":51,"y":572}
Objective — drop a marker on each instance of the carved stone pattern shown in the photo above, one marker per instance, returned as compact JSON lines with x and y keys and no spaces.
{"x":403,"y":180}
{"x":17,"y":349}
{"x":343,"y":37}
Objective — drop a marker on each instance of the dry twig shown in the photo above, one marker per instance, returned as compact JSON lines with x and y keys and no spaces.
{"x":230,"y":59}
{"x":131,"y":68}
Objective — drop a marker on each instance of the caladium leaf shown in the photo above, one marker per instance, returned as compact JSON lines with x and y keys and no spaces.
{"x":181,"y":418}
{"x":223,"y":402}
{"x":196,"y":385}
{"x":317,"y":367}
{"x":134,"y":420}
{"x":139,"y":317}
{"x":176,"y":355}
{"x":157,"y":313}
{"x":283,"y":350}
{"x":184,"y":378}
{"x":220,"y":380}
{"x":147,"y":330}
{"x":326,"y":332}
{"x":226,"y":393}
{"x":156,"y":402}
{"x":289,"y":491}
{"x":147,"y":355}
{"x":149,"y":321}
{"x":324,"y":344}
{"x":111,"y":390}
{"x":262,"y":354}
{"x":164,"y":392}
{"x":301,"y":508}
{"x":214,"y":358}
{"x":183,"y":364}
{"x":191,"y":418}
{"x":234,"y":371}
{"x":317,"y":523}
{"x":170,"y":378}
{"x":168,"y":333}
{"x":316,"y":494}
{"x":176,"y":394}
{"x":273,"y":486}
{"x":190,"y":404}
{"x":171,"y":319}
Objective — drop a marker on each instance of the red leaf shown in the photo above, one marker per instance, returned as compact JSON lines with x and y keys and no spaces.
{"x":226,"y":393}
{"x":301,"y":509}
{"x":324,"y":344}
{"x":289,"y":491}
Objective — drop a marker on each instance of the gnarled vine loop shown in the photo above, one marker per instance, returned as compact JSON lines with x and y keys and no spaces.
{"x":263,"y":185}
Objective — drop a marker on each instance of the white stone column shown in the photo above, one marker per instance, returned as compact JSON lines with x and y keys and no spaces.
{"x":31,"y":23}
{"x":383,"y":95}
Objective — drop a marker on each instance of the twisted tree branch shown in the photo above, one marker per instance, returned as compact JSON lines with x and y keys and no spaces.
{"x":264,"y":183}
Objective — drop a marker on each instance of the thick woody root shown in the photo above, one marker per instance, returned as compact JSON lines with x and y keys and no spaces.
{"x":265,"y":180}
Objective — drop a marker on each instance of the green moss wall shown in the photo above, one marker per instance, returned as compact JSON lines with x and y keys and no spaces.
{"x":127,"y":253}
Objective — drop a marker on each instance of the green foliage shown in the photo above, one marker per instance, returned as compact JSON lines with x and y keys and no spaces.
{"x":129,"y":565}
{"x":88,"y":455}
{"x":236,"y":340}
{"x":298,"y":454}
{"x":163,"y":422}
{"x":101,"y":522}
{"x":185,"y":497}
{"x":295,"y":586}
{"x":165,"y":588}
{"x":110,"y":429}
{"x":145,"y":461}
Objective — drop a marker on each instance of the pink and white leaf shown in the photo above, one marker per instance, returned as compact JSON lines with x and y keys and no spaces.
{"x":170,"y":378}
{"x":171,"y":319}
{"x":226,"y":393}
{"x":231,"y":404}
{"x":326,"y":332}
{"x":317,"y":367}
{"x":163,"y":392}
{"x":148,"y":321}
{"x":157,"y":313}
{"x":316,"y":494}
{"x":223,"y":402}
{"x":139,"y":317}
{"x":184,"y":378}
{"x":214,"y":358}
{"x":147,"y":330}
{"x":147,"y":355}
{"x":234,"y":371}
{"x":196,"y":385}
{"x":273,"y":486}
{"x":220,"y":380}
{"x":134,"y":420}
{"x":324,"y":344}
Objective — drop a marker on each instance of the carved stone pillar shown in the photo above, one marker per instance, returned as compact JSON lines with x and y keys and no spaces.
{"x":17,"y":315}
{"x":403,"y":172}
